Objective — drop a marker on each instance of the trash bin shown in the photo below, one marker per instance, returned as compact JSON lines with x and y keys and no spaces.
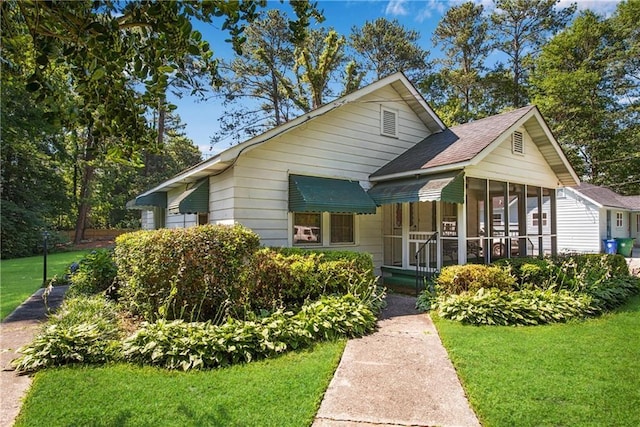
{"x":610,"y":246}
{"x":625,"y":246}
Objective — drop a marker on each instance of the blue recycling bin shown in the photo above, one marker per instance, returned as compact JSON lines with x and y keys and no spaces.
{"x":610,"y":246}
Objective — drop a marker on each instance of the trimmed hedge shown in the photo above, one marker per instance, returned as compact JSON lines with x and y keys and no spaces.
{"x":286,"y":278}
{"x":187,"y":273}
{"x":456,"y":279}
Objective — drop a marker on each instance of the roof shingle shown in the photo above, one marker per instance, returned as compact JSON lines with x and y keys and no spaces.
{"x":454,"y":145}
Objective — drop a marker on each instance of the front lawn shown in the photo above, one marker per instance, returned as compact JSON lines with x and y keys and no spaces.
{"x":21,"y":277}
{"x":285,"y":391}
{"x":578,"y":373}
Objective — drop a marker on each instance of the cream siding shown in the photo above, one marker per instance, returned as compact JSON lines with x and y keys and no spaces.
{"x":146,"y":220}
{"x":504,"y":165}
{"x":345,"y":143}
{"x":579,"y":223}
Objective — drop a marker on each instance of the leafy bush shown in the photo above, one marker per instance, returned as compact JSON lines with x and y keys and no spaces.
{"x":95,"y":273}
{"x":183,"y":273}
{"x":540,"y":273}
{"x":456,"y":279}
{"x":182,"y":345}
{"x":287,"y":278}
{"x":83,"y":330}
{"x":614,"y":292}
{"x":526,"y":307}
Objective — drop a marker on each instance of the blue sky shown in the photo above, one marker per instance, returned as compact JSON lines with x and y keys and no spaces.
{"x":201,"y":118}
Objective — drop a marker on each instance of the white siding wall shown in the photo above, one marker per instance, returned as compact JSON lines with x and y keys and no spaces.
{"x":503,"y":165}
{"x":146,"y":220}
{"x":345,"y":143}
{"x":619,"y":231}
{"x":580,"y":224}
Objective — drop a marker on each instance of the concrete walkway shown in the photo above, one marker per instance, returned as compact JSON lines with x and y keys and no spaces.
{"x":16,"y":330}
{"x":399,"y":376}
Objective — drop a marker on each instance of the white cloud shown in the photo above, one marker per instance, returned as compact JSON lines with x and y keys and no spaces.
{"x":396,"y":8}
{"x":601,"y":7}
{"x":430,"y":9}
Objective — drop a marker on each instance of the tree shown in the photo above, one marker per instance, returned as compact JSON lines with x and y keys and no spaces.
{"x":254,"y":78}
{"x":385,"y":47}
{"x":519,"y":28}
{"x":463,"y":34}
{"x":318,"y":58}
{"x":575,"y":87}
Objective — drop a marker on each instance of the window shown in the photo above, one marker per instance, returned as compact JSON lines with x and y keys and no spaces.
{"x":307,"y":228}
{"x":388,"y":122}
{"x":203,"y":218}
{"x":314,"y":228}
{"x":638,"y":223}
{"x":517,"y":143}
{"x":535,"y":218}
{"x":619,"y":220}
{"x":342,"y":228}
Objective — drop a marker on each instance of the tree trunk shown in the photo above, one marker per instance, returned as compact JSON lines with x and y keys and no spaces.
{"x":84,"y":203}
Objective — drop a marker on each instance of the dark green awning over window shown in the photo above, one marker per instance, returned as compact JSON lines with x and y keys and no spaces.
{"x":148,"y":201}
{"x":314,"y":194}
{"x":444,"y":187}
{"x":195,"y":199}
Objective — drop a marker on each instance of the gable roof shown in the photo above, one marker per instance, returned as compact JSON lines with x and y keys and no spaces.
{"x":225,"y":159}
{"x":468,"y":144}
{"x":606,"y":198}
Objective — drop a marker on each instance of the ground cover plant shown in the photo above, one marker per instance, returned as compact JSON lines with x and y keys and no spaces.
{"x":21,"y":277}
{"x":531,"y":291}
{"x":284,"y":391}
{"x":322,"y":299}
{"x":569,"y":374}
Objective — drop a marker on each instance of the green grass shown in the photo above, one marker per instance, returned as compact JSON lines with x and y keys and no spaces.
{"x":575,"y":374}
{"x":21,"y":277}
{"x":285,"y":391}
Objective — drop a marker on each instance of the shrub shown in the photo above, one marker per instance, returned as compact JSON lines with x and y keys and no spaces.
{"x":526,"y":307}
{"x":95,"y":273}
{"x":182,"y":345}
{"x":84,"y":330}
{"x":540,"y":273}
{"x":189,"y":273}
{"x":456,"y":279}
{"x":286,"y":278}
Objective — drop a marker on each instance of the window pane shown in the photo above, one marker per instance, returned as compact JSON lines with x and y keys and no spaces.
{"x":307,"y":228}
{"x":342,"y":228}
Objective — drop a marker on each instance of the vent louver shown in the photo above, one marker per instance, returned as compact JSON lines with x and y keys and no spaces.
{"x":517,"y":143}
{"x":389,"y":123}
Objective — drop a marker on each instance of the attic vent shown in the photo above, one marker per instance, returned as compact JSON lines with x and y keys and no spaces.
{"x":517,"y":143}
{"x":389,"y":122}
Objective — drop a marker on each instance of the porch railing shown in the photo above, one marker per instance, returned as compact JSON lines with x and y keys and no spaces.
{"x":426,"y":259}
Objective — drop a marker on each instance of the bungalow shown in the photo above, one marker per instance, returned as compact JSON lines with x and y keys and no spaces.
{"x":589,"y":214}
{"x":378,"y":171}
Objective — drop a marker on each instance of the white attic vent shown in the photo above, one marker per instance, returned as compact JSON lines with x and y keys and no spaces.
{"x":517,"y":143}
{"x":388,"y":122}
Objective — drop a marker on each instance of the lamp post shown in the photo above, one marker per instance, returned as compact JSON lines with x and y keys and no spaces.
{"x":45,"y":236}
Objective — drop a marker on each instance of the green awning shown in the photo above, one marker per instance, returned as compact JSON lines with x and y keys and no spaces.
{"x":195,"y":199}
{"x":148,"y":201}
{"x":443,"y":187}
{"x":314,"y":194}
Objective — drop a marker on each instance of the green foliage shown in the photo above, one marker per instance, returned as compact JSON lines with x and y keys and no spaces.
{"x":183,"y":273}
{"x":84,"y":330}
{"x":526,"y":307}
{"x":549,"y":291}
{"x":456,"y":279}
{"x":289,"y":276}
{"x":96,"y":273}
{"x":181,"y":345}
